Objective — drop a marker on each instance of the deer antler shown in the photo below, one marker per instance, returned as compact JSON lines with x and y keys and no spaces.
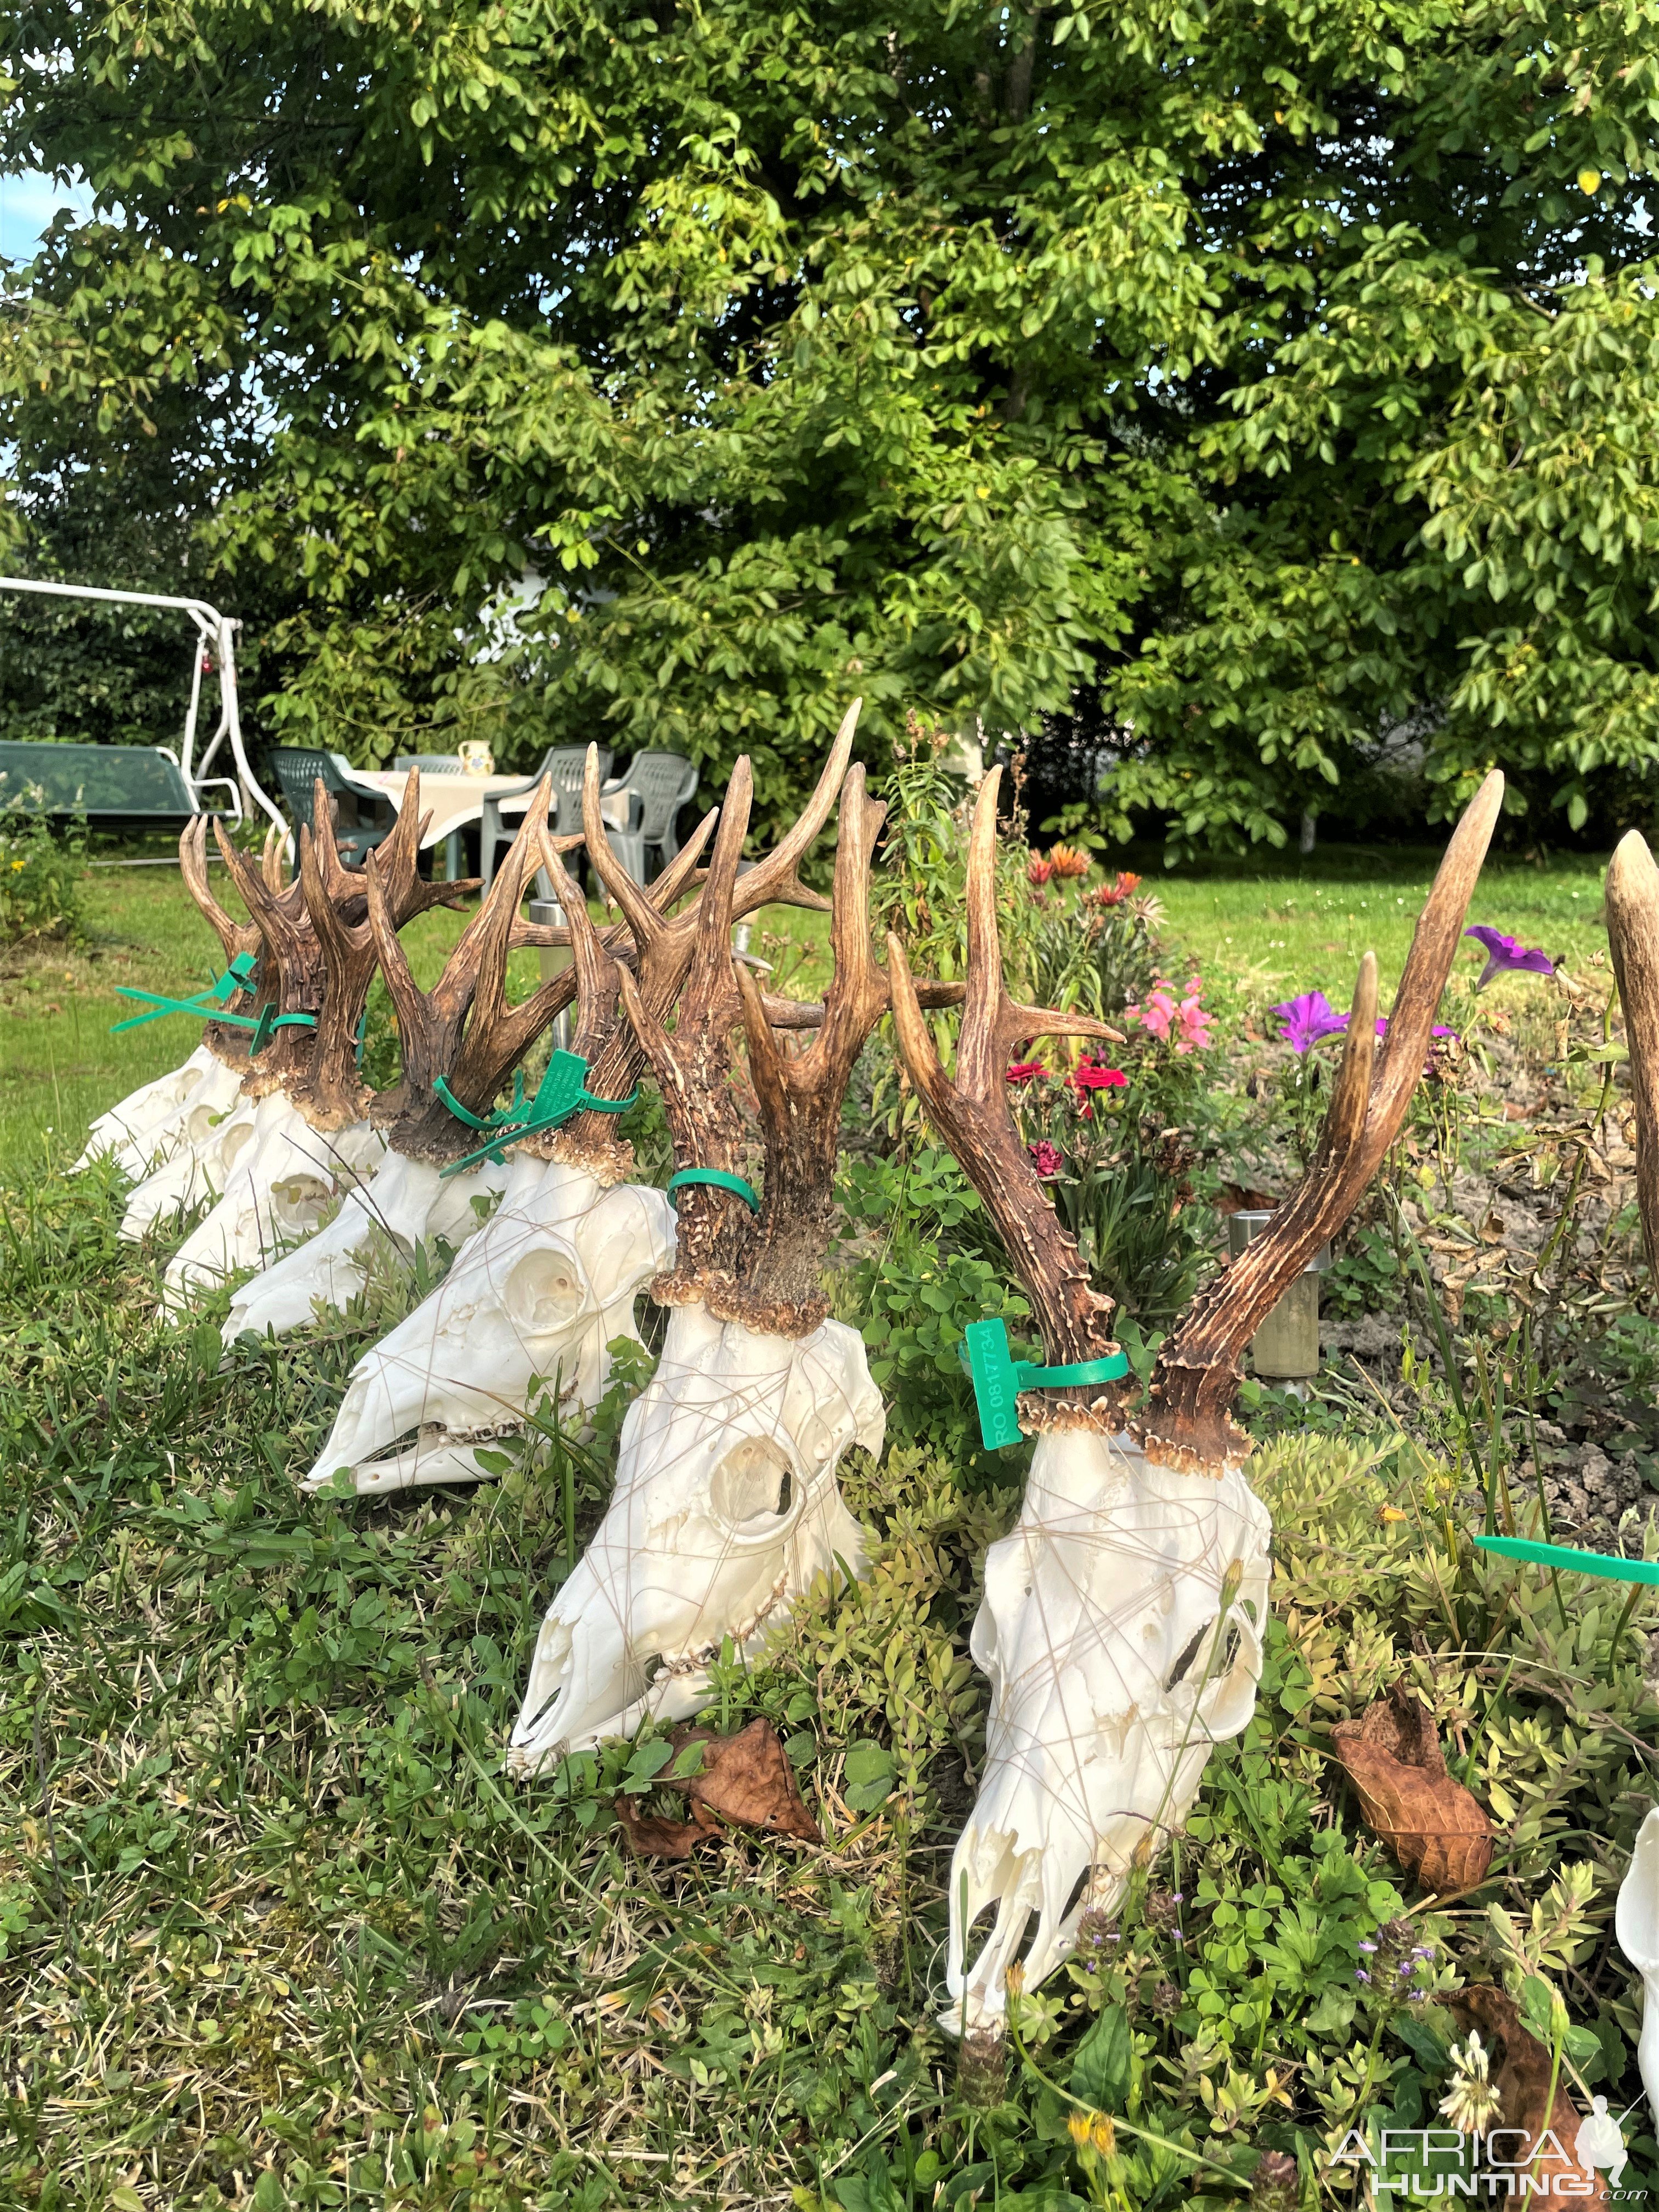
{"x":971,"y":1111}
{"x":291,"y":966}
{"x":664,"y":947}
{"x":235,"y":939}
{"x":800,"y":1095}
{"x":694,"y":1067}
{"x":462,"y":1030}
{"x":328,"y":1091}
{"x":1633,"y":935}
{"x":1187,"y":1420}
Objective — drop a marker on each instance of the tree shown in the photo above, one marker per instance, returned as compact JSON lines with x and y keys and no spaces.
{"x":1268,"y":376}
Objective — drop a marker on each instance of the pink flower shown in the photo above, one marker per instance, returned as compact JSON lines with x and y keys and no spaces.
{"x":1026,"y":1071}
{"x":1196,"y":1023}
{"x":1159,"y":1014}
{"x":1045,"y":1158}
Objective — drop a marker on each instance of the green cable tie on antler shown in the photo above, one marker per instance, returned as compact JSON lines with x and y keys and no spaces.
{"x":721,"y":1179}
{"x":562,"y":1093}
{"x":206,"y":1005}
{"x":268,"y":1023}
{"x":998,"y":1379}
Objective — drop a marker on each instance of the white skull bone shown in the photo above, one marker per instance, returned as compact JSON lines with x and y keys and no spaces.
{"x":540,"y":1290}
{"x":726,"y":1509}
{"x":405,"y":1203}
{"x":1636,"y":1923}
{"x":139,"y":1128}
{"x":193,"y":1151}
{"x":1122,"y":1628}
{"x":279,"y":1183}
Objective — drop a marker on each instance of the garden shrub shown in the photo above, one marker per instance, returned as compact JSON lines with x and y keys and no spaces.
{"x":40,"y":876}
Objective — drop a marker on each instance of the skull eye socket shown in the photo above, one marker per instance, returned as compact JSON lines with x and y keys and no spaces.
{"x":754,"y":1487}
{"x":542,"y":1293}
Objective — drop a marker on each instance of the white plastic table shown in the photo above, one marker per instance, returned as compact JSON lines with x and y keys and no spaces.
{"x":455,"y":802}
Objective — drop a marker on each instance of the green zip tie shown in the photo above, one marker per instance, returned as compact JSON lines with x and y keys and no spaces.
{"x":512,"y":1113}
{"x":999,"y":1379}
{"x":268,"y":1023}
{"x":562,"y":1092}
{"x":721,"y":1179}
{"x":1580,"y":1563}
{"x":204,"y":1006}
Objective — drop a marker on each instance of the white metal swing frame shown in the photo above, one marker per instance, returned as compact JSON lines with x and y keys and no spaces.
{"x":216,"y":635}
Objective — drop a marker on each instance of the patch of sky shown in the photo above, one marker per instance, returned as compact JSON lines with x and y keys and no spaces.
{"x":28,"y":201}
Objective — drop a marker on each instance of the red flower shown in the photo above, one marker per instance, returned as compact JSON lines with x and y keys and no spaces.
{"x":1090,"y":1076}
{"x":1037,"y":871}
{"x":1027,"y":1071}
{"x":1045,"y":1158}
{"x":1113,"y":894}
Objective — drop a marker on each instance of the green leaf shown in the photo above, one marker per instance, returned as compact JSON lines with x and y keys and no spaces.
{"x":1100,"y":2071}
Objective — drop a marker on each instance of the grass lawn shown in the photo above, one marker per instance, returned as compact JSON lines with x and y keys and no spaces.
{"x":1267,"y":932}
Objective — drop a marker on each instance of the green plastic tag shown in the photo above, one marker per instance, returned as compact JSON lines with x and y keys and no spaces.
{"x":270,"y":1022}
{"x":561,"y":1094}
{"x":998,"y":1379}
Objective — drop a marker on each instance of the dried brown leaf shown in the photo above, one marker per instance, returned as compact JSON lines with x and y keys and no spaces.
{"x":1436,"y":1828}
{"x":745,"y":1778}
{"x":1521,"y":2076}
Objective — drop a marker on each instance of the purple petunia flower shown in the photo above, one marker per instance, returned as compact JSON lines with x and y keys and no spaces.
{"x":1507,"y":956}
{"x":1307,"y":1019}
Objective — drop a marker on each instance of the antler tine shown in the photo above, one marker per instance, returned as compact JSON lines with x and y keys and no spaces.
{"x":596,"y":969}
{"x":265,"y":901}
{"x":710,"y":983}
{"x":1186,"y":1421}
{"x":400,"y":860}
{"x":642,"y":917}
{"x":408,"y":999}
{"x":1633,"y":933}
{"x":775,"y":879}
{"x":270,"y":859}
{"x":233,"y":937}
{"x":993,"y":1023}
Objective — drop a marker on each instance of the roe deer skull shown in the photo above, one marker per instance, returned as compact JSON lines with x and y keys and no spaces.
{"x":1121,"y":1629}
{"x":726,"y":1510}
{"x":541,"y":1291}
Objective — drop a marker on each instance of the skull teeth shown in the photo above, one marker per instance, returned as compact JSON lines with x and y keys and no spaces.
{"x":699,"y":1656}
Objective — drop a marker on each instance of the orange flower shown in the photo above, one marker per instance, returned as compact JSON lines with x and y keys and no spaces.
{"x":1066,"y":861}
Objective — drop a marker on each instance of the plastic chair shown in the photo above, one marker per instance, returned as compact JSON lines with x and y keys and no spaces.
{"x":658,"y":785}
{"x":364,"y":816}
{"x":566,"y":765}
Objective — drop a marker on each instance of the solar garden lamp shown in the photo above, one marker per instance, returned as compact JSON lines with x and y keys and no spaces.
{"x":1285,"y":1348}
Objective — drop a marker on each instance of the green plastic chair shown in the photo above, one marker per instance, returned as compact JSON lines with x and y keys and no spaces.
{"x":364,"y":817}
{"x":658,"y":785}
